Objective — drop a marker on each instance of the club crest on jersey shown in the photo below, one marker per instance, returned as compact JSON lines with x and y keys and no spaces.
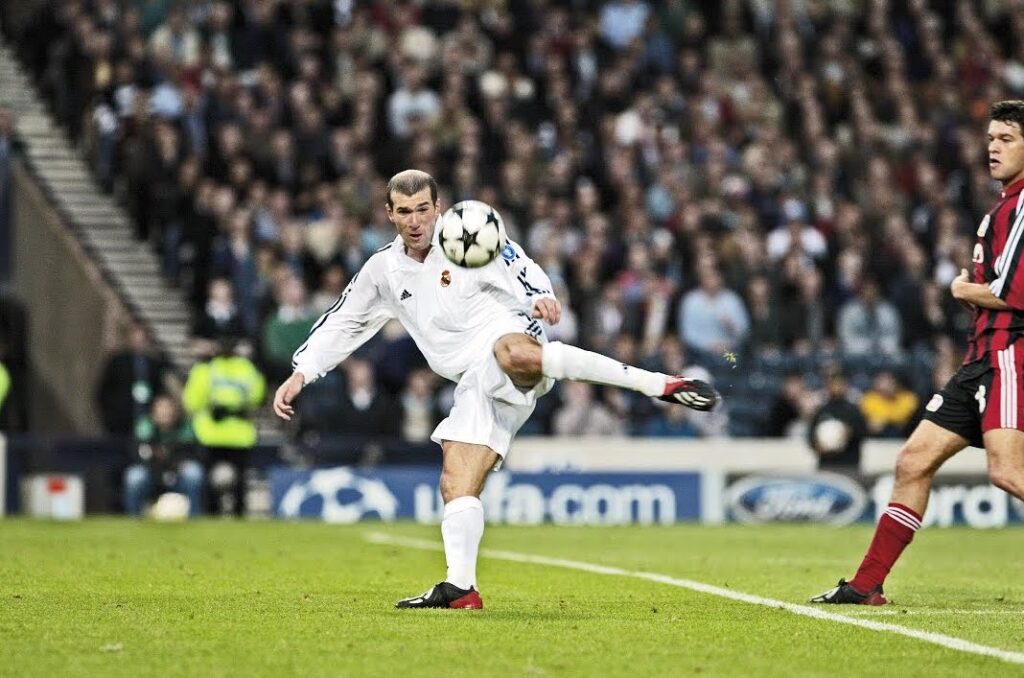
{"x":446,"y":278}
{"x":507,"y":253}
{"x":983,"y":226}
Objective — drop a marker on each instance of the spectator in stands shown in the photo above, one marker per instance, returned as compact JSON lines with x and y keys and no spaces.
{"x":668,"y":424}
{"x":221,"y":396}
{"x":177,"y":39}
{"x":287,"y":328}
{"x":796,"y":235}
{"x":364,"y":411}
{"x":888,"y":407}
{"x":420,"y":407}
{"x":234,"y":258}
{"x":869,"y":325}
{"x":129,"y":381}
{"x":791,"y":410}
{"x":765,"y":335}
{"x":412,"y":101}
{"x":581,"y":415}
{"x":623,"y":21}
{"x":332,"y":284}
{"x":165,"y":459}
{"x":712,"y":318}
{"x":220,"y":318}
{"x":837,"y":427}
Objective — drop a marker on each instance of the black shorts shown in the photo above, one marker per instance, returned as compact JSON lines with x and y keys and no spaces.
{"x":981,"y":396}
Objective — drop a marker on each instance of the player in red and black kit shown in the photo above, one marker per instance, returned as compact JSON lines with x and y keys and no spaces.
{"x":983,"y":404}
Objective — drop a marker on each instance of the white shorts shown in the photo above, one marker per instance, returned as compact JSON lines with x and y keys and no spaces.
{"x":489,"y":409}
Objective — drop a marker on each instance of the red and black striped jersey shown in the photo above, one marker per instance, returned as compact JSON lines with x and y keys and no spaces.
{"x":997,"y":255}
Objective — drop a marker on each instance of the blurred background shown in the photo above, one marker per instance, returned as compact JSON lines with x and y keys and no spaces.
{"x":771,"y":195}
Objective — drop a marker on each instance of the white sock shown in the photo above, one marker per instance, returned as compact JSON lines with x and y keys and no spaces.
{"x":462,"y":528}
{"x":562,"y":361}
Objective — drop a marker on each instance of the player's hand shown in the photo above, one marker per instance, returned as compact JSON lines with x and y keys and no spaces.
{"x":286,"y":393}
{"x":956,"y":288}
{"x":549,"y":310}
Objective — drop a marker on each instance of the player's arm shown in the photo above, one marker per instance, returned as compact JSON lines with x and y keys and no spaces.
{"x":984,"y":295}
{"x":530,"y":283}
{"x":355,"y":317}
{"x":1009,"y":286}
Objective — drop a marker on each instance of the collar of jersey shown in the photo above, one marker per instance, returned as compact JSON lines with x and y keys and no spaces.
{"x":403,"y":259}
{"x":1012,"y":189}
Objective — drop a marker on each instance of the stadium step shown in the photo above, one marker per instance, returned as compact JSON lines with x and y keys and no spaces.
{"x":102,"y":226}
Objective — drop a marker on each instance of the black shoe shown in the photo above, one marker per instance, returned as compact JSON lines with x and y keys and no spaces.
{"x":445,"y":595}
{"x":693,"y":393}
{"x":844,"y":594}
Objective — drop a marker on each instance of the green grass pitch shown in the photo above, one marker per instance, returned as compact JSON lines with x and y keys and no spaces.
{"x":113,"y":597}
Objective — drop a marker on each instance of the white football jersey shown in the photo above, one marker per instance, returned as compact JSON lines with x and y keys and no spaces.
{"x":453,"y":314}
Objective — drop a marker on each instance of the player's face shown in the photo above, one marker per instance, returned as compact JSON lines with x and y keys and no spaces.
{"x":414,"y":216}
{"x":1005,"y":151}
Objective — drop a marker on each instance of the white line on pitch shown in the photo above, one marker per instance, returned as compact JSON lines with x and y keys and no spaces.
{"x":871,"y":612}
{"x":949,"y":642}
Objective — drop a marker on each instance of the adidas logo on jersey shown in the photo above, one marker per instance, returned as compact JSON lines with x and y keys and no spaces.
{"x":405,"y":295}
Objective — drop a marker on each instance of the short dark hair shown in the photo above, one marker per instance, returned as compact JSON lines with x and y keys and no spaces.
{"x":1011,"y":110}
{"x":411,"y":182}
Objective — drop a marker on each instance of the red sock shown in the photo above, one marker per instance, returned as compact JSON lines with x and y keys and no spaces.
{"x":894,"y":532}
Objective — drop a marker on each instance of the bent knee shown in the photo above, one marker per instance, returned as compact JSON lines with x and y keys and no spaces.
{"x":1006,"y":479}
{"x":914,"y":463}
{"x":518,"y":357}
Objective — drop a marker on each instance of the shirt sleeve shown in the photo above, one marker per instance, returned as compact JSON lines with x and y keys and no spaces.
{"x":355,"y":317}
{"x":1009,"y":283}
{"x":529,"y":282}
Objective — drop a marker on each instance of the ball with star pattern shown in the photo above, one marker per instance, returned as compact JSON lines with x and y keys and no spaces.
{"x":472,"y":234}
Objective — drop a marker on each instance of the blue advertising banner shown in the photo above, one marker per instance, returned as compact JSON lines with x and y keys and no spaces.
{"x":839,"y":500}
{"x":348,"y":495}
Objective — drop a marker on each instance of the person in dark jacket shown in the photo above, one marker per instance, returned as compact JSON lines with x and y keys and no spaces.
{"x":837,"y":428}
{"x":129,"y":381}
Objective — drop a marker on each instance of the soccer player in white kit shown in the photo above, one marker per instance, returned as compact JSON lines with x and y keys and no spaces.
{"x":481,"y":329}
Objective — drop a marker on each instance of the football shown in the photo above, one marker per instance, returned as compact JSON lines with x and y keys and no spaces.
{"x":832,"y":435}
{"x":472,"y":233}
{"x":170,"y":507}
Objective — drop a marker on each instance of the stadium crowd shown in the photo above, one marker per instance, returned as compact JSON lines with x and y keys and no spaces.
{"x":770,"y":193}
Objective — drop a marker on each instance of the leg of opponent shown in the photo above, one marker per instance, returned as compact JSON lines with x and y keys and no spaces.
{"x":928,"y":447}
{"x":463,"y":475}
{"x":1005,"y":449}
{"x":526,"y":361}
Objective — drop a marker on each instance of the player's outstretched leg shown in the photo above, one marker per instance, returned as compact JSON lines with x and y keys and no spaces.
{"x":927,"y":449}
{"x":464,"y":472}
{"x":526,"y":361}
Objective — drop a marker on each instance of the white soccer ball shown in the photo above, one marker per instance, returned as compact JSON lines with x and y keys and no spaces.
{"x":832,"y":435}
{"x":170,"y":507}
{"x":472,"y":234}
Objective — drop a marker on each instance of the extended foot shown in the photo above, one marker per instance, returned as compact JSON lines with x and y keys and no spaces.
{"x":845,"y":594}
{"x":693,"y":393}
{"x":445,"y":595}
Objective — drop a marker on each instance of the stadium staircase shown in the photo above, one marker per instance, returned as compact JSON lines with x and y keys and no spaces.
{"x":101,"y":225}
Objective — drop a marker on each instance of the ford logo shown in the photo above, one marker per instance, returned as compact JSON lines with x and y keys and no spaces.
{"x":819,"y":498}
